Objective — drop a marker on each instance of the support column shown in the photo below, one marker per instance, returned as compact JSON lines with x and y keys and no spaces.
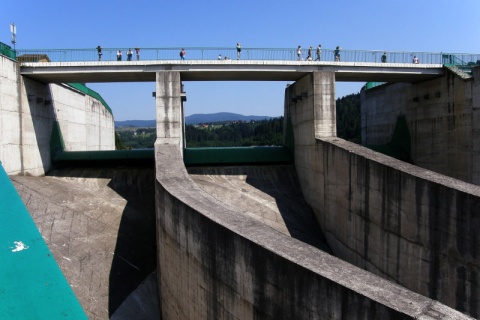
{"x":324,"y":104}
{"x":169,"y":109}
{"x":310,"y":103}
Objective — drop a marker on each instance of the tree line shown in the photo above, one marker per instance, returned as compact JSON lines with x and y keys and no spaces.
{"x":240,"y":133}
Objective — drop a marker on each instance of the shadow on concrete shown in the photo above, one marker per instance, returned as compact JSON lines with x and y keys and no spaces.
{"x":296,"y":213}
{"x":298,"y":216}
{"x":135,"y":253}
{"x":279,"y":182}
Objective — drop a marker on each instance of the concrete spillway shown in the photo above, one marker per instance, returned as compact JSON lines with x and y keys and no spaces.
{"x":270,"y":194}
{"x":100,"y":222}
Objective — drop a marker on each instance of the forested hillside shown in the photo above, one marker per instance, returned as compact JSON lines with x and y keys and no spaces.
{"x":243,"y":133}
{"x":349,"y":118}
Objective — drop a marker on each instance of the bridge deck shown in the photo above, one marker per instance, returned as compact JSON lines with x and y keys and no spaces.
{"x":225,"y":70}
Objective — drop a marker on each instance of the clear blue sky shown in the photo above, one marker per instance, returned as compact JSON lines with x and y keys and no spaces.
{"x":403,"y":25}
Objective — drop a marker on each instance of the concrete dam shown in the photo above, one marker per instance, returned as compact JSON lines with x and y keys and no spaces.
{"x":342,"y":232}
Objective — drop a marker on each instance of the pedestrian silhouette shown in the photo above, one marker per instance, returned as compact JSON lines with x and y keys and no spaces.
{"x":99,"y":51}
{"x":384,"y":57}
{"x":319,"y":53}
{"x":239,"y":50}
{"x":337,"y":53}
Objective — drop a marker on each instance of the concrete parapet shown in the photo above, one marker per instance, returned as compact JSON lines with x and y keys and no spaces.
{"x":402,"y":222}
{"x":217,"y":263}
{"x":407,"y":224}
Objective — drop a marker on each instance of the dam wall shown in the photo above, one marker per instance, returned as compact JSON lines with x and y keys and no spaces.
{"x":404,"y":223}
{"x":217,"y":262}
{"x":442,"y":116}
{"x":28,"y":111}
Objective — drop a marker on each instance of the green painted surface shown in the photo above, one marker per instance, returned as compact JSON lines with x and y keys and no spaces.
{"x":32,"y":285}
{"x":237,"y":155}
{"x":7,"y":51}
{"x":105,"y":155}
{"x":399,"y":146}
{"x":192,"y":156}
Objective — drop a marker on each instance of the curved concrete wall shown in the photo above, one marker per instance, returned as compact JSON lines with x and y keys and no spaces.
{"x":27,"y":112}
{"x":407,"y":224}
{"x":217,"y":263}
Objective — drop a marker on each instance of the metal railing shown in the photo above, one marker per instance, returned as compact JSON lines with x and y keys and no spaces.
{"x":7,"y":51}
{"x":268,"y":54}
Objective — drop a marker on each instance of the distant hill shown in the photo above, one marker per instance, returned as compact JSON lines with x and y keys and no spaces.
{"x":136,"y":123}
{"x":194,"y":119}
{"x":221,"y":116}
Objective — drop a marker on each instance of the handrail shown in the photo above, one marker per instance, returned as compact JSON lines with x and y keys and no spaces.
{"x":212,"y":53}
{"x":7,"y":51}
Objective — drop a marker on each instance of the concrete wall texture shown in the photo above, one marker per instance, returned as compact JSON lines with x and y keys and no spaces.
{"x":407,"y":224}
{"x":217,"y":263}
{"x":27,"y":112}
{"x":442,"y":115}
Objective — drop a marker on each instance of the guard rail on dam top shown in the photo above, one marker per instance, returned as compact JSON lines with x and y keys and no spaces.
{"x":269,"y":54}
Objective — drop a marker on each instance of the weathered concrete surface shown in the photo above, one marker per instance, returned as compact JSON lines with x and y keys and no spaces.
{"x":270,"y":194}
{"x":215,"y":262}
{"x":27,"y":111}
{"x":443,"y":117}
{"x":99,"y":224}
{"x":402,"y":222}
{"x":169,"y":108}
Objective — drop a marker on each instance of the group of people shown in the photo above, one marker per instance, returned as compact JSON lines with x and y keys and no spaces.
{"x":318,"y":56}
{"x":119,"y":54}
{"x":336,"y":54}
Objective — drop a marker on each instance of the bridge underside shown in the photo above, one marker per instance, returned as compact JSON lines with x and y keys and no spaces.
{"x":145,"y":71}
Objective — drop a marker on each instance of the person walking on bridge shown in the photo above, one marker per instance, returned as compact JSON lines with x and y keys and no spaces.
{"x":119,"y":55}
{"x":137,"y":51}
{"x":129,"y":54}
{"x":384,"y":57}
{"x":239,"y":50}
{"x":299,"y":53}
{"x":309,"y":54}
{"x":99,"y":51}
{"x":182,"y":54}
{"x":319,"y":52}
{"x":337,"y":53}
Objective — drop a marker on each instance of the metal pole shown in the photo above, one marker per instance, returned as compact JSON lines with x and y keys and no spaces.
{"x":13,"y":30}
